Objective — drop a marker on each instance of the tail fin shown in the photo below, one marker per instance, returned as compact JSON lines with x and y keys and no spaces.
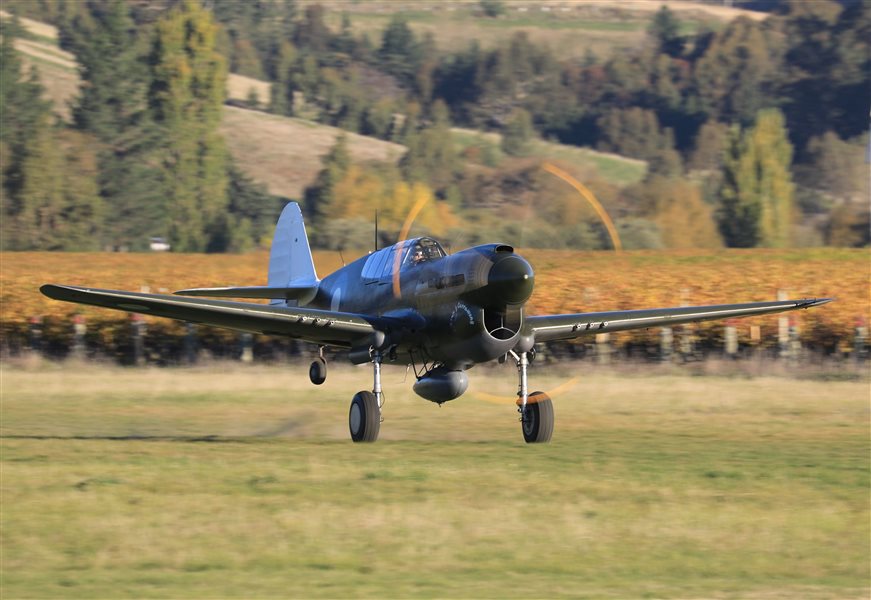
{"x":290,"y":261}
{"x":292,"y":277}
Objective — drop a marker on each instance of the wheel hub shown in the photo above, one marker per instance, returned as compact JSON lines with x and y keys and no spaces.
{"x":356,"y":418}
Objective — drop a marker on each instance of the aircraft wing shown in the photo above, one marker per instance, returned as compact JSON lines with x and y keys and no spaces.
{"x":563,"y":327}
{"x":317,"y":326}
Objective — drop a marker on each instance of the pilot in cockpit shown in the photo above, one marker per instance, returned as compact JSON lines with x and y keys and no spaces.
{"x":417,"y":256}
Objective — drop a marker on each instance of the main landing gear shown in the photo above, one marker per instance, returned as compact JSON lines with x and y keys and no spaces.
{"x":536,"y":409}
{"x":364,"y":418}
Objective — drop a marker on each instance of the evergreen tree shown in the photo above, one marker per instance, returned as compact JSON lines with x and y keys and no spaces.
{"x":112,"y":107}
{"x":61,"y":189}
{"x":399,"y":54}
{"x":735,"y":76}
{"x":312,"y":34}
{"x":103,"y":39}
{"x":283,"y":88}
{"x":739,"y":211}
{"x":186,"y":96}
{"x":517,"y":133}
{"x":431,"y":156}
{"x":21,"y":104}
{"x":25,"y":122}
{"x":250,"y":217}
{"x":665,"y":30}
{"x":636,"y":132}
{"x":756,"y":195}
{"x":322,"y":193}
{"x":492,"y":8}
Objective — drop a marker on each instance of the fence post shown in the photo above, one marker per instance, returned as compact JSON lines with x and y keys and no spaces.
{"x":603,"y":348}
{"x":756,"y":340}
{"x":794,"y":341}
{"x":190,"y":344}
{"x":80,"y":328}
{"x":685,"y":335}
{"x":137,"y":333}
{"x":247,"y":342}
{"x":782,"y":329}
{"x":666,"y":344}
{"x":34,"y":334}
{"x":860,"y":339}
{"x":686,"y":344}
{"x":731,"y":339}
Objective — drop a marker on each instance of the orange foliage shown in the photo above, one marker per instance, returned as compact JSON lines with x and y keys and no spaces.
{"x":566,"y":281}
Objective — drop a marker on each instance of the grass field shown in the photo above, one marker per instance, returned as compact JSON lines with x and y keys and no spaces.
{"x":234,"y":482}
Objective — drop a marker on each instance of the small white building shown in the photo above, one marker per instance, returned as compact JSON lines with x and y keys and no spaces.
{"x":158,"y":244}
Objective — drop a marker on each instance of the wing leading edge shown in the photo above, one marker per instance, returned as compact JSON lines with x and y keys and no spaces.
{"x":317,"y":326}
{"x":548,"y":328}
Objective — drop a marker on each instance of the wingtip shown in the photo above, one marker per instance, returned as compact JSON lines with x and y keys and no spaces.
{"x":50,"y":290}
{"x":810,"y":302}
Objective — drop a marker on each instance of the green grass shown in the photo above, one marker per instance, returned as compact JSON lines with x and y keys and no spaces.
{"x":618,"y":170}
{"x":233,"y":482}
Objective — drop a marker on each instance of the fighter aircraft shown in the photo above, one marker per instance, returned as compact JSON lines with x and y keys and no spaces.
{"x":409,"y":304}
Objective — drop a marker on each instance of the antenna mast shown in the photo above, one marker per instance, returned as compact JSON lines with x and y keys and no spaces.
{"x":376,"y":229}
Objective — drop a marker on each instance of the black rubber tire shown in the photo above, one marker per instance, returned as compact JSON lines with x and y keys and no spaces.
{"x":317,"y":372}
{"x":364,"y":417}
{"x":537,"y":424}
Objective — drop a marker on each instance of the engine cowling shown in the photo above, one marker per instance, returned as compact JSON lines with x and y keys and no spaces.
{"x":441,"y":384}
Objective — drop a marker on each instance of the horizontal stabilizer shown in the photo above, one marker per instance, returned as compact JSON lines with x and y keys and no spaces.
{"x":263,"y":292}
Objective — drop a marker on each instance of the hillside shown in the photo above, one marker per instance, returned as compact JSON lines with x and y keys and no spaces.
{"x":285,"y":153}
{"x":571,"y":28}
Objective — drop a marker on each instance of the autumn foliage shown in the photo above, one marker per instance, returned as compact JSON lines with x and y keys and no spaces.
{"x":566,"y":281}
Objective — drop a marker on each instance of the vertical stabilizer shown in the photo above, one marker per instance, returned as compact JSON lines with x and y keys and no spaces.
{"x":290,"y":261}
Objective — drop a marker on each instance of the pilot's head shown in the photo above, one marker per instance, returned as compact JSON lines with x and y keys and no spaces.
{"x":417,"y":256}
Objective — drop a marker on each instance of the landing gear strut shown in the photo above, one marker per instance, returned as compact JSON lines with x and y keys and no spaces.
{"x":364,"y":418}
{"x":536,"y":409}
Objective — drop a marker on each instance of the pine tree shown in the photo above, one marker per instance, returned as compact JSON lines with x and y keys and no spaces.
{"x":283,"y":88}
{"x":24,"y":122}
{"x":431,"y":155}
{"x":112,"y":108}
{"x":322,"y":193}
{"x":733,"y":79}
{"x":186,"y":96}
{"x":399,"y":53}
{"x":665,"y":30}
{"x":517,"y":133}
{"x":103,"y":39}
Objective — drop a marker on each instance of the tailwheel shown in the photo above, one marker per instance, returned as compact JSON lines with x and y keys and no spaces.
{"x":317,"y":372}
{"x":364,"y":418}
{"x":537,"y":419}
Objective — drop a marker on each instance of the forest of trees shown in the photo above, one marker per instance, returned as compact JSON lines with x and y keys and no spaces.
{"x":142,"y":157}
{"x":755,"y":133}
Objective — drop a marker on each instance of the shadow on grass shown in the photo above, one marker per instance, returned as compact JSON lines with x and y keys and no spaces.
{"x":211,"y":439}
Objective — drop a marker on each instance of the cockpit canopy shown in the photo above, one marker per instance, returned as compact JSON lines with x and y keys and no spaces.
{"x":380,"y":264}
